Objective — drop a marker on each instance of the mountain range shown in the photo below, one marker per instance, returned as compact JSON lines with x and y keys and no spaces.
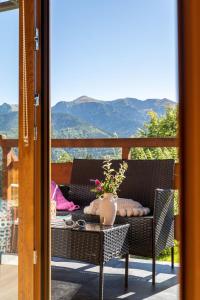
{"x":89,"y":118}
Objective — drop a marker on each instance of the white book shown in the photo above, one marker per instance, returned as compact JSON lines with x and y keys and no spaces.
{"x":59,"y":221}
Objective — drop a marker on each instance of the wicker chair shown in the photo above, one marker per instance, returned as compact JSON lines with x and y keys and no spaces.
{"x":149,"y":182}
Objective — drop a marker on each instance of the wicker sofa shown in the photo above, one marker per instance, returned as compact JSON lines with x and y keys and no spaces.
{"x":148,"y":181}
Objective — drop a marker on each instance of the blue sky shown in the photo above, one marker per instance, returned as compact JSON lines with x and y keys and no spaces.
{"x":105,"y":49}
{"x":9,"y":57}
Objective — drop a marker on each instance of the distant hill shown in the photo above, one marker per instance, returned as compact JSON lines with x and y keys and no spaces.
{"x":9,"y":120}
{"x":89,"y":118}
{"x":121,"y":116}
{"x":65,"y":125}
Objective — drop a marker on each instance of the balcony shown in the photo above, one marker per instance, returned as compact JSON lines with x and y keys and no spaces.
{"x":61,"y":172}
{"x":70,"y":278}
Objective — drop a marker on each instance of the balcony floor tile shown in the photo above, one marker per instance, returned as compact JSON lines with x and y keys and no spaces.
{"x":80,"y":281}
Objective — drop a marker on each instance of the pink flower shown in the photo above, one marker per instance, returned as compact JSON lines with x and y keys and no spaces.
{"x":99,"y":188}
{"x":97,"y":182}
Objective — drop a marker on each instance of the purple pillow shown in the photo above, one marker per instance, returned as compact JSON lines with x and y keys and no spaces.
{"x":61,"y":202}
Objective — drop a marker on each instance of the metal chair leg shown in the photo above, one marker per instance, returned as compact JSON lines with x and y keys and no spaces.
{"x":172,"y":257}
{"x":126,"y":271}
{"x":101,"y":282}
{"x":154,"y":270}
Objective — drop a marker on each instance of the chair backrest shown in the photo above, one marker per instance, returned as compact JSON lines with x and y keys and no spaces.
{"x":142,"y":177}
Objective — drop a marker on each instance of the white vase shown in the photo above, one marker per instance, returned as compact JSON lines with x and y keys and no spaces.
{"x":108,"y":209}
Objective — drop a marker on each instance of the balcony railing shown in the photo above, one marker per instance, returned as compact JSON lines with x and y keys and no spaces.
{"x":61,"y":172}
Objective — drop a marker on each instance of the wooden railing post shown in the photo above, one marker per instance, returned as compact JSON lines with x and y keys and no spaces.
{"x":125,"y":153}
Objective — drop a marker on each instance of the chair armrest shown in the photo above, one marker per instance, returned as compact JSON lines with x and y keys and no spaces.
{"x":163,"y":219}
{"x":164,"y":202}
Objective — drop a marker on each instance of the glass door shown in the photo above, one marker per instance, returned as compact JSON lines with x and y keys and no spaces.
{"x":113,"y":94}
{"x":18,"y":159}
{"x":9,"y":152}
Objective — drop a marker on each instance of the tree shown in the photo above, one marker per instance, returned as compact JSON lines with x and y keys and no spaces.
{"x":64,"y":157}
{"x":163,"y":126}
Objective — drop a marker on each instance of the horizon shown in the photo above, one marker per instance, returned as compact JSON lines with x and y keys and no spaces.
{"x":104,"y":100}
{"x":126,"y":51}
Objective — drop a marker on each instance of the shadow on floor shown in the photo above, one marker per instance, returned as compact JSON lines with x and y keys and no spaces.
{"x":79,"y":281}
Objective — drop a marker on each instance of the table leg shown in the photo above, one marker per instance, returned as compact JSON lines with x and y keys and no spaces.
{"x":172,"y":257}
{"x":101,"y":282}
{"x":126,"y":270}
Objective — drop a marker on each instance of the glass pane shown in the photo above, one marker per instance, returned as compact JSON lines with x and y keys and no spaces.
{"x":113,"y":79}
{"x":9,"y":201}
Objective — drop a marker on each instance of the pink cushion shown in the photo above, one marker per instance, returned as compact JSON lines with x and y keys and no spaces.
{"x":61,"y":202}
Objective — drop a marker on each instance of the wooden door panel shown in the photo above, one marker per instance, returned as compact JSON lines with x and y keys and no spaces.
{"x":26,"y":151}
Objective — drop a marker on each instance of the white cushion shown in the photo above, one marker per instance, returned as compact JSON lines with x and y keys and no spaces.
{"x":125,"y":207}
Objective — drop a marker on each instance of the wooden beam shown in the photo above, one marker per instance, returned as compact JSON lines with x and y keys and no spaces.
{"x":103,"y":143}
{"x":189,"y":95}
{"x":61,"y":172}
{"x":9,"y":5}
{"x":125,"y":153}
{"x":4,"y":142}
{"x":114,"y":143}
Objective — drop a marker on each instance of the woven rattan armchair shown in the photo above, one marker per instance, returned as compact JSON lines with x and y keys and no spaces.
{"x":149,"y":182}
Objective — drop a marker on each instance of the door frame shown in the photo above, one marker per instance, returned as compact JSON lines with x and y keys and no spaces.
{"x":34,"y":170}
{"x":45,"y":151}
{"x":189,"y":92}
{"x":26,"y":245}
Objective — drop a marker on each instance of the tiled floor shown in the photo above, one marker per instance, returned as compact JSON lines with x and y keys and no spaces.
{"x":79,"y":281}
{"x":8,"y":282}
